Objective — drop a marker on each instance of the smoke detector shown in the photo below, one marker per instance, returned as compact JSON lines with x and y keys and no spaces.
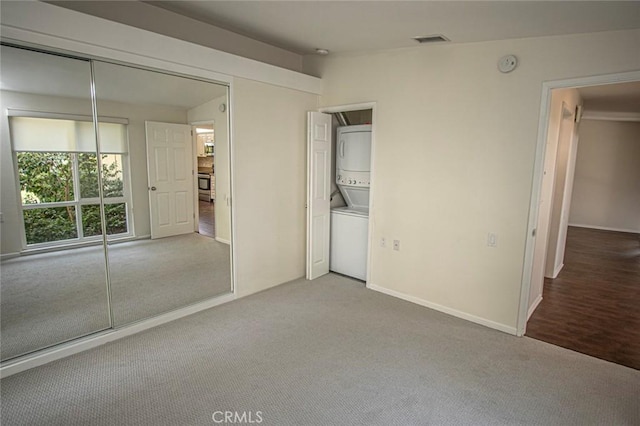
{"x":436,"y":38}
{"x":507,"y":63}
{"x":322,"y":51}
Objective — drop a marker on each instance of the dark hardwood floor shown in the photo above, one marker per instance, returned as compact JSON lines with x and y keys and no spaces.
{"x":207,"y":218}
{"x":593,"y":306}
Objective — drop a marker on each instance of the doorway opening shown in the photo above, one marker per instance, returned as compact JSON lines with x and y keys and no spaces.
{"x":340,"y":172}
{"x":204,"y":140}
{"x":586,"y":260}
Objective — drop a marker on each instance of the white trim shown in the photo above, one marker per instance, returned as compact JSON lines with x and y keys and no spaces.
{"x":129,"y":239}
{"x":605,"y":228}
{"x":534,"y":306}
{"x":196,"y":179}
{"x":205,"y":122}
{"x":356,"y":107}
{"x":53,"y":26}
{"x":222,"y":240}
{"x":538,"y":168}
{"x":195,"y":171}
{"x":18,"y":365}
{"x":444,"y":309}
{"x":230,"y":199}
{"x":610,"y":115}
{"x":12,"y":255}
{"x":556,"y":271}
{"x":349,"y":107}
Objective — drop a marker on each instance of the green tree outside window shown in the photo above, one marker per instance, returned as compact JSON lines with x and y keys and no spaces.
{"x":48,"y":177}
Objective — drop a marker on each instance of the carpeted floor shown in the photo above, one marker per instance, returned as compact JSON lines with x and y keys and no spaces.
{"x":327,"y":352}
{"x":53,"y":297}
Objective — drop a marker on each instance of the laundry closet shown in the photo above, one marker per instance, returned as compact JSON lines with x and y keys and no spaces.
{"x":338,"y":227}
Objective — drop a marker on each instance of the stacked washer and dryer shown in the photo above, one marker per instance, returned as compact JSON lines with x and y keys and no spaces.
{"x":350,"y":224}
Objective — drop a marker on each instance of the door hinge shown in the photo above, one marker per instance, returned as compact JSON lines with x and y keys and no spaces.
{"x":533,"y":233}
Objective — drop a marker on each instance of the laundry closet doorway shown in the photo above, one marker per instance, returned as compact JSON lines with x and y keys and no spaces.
{"x":330,"y":207}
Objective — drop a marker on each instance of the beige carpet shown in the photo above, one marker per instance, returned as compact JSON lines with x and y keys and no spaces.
{"x":327,"y":352}
{"x":53,"y":297}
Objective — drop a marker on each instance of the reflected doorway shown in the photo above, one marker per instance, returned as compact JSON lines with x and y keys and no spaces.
{"x":204,"y":137}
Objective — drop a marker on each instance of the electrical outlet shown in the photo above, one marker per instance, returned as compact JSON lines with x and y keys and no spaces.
{"x":383,"y":242}
{"x":492,"y":240}
{"x":396,"y":245}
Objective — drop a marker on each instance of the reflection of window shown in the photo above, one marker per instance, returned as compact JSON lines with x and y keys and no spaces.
{"x":58,"y":177}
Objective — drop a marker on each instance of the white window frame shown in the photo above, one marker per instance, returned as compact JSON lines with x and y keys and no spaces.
{"x":78,"y":202}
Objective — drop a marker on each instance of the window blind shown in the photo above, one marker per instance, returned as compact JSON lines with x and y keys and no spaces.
{"x":61,"y":135}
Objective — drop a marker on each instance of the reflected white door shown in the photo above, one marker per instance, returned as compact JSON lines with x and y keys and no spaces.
{"x":170,"y":172}
{"x":318,"y":193}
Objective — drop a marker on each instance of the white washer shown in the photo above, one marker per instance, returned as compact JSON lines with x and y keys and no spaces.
{"x":349,"y":238}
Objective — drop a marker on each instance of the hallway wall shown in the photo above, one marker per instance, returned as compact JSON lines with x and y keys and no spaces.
{"x":607,"y":182}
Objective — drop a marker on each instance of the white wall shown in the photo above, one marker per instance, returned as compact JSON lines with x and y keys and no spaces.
{"x":269,"y":145}
{"x":607,"y":181}
{"x":558,"y":124}
{"x":455,"y":149}
{"x":206,"y":112}
{"x":11,"y":240}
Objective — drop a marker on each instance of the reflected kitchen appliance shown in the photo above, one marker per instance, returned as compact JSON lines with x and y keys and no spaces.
{"x":204,"y":186}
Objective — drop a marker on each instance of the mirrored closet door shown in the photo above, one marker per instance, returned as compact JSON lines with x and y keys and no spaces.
{"x":110,"y":220}
{"x":53,"y":274}
{"x":171,"y":246}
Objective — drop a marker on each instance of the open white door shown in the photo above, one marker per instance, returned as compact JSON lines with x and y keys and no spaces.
{"x":170,"y":172}
{"x":318,"y":193}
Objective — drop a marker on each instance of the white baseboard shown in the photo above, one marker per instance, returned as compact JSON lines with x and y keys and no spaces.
{"x":605,"y":228}
{"x":478,"y":320}
{"x":223,"y":241}
{"x":80,"y":345}
{"x":556,"y":271}
{"x":8,"y":256}
{"x":50,"y":249}
{"x":533,"y":307}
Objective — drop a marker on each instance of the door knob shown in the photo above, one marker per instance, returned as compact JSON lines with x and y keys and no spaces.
{"x":153,"y":188}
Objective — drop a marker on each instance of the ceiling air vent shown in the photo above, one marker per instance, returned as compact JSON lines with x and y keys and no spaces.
{"x":431,"y":39}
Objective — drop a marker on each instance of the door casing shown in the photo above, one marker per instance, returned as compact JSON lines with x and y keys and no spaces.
{"x":538,"y":169}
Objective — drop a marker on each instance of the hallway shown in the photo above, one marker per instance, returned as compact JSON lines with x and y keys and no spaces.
{"x":593,"y":305}
{"x":206,"y":225}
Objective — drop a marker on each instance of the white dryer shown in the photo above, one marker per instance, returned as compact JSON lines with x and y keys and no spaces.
{"x":353,"y":164}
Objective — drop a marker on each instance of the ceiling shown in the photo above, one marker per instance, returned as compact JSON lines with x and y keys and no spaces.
{"x":345,"y":27}
{"x":354,"y":26}
{"x":342,"y":27}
